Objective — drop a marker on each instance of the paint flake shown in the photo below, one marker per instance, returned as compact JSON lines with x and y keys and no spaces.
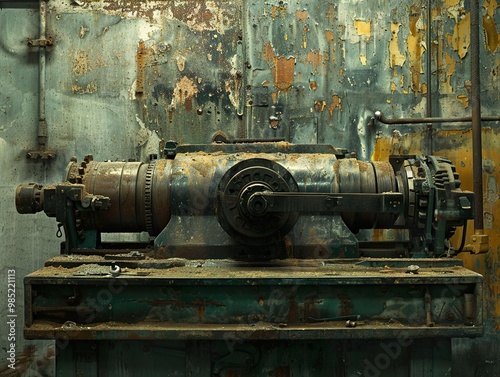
{"x":460,"y":40}
{"x":184,"y":91}
{"x":396,"y":57}
{"x":363,"y":28}
{"x":416,"y":49}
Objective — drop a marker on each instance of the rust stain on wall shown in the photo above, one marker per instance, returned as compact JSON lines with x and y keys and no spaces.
{"x":396,"y":57}
{"x":415,"y":48}
{"x":283,"y":72}
{"x":336,"y":104}
{"x":277,"y":11}
{"x":282,"y":68}
{"x":301,"y":15}
{"x":319,"y":106}
{"x":197,"y":15}
{"x":269,"y":52}
{"x":460,"y":40}
{"x":141,"y":58}
{"x":329,"y":36}
{"x":330,"y":39}
{"x":183,"y":94}
{"x":315,"y":58}
{"x":202,"y":15}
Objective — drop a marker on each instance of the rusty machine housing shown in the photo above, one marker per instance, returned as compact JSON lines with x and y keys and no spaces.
{"x":256,"y":254}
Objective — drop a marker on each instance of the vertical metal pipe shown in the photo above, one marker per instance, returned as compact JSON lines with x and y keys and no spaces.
{"x":429,"y":76}
{"x":477,"y":160}
{"x":429,"y":62}
{"x":42,"y":124}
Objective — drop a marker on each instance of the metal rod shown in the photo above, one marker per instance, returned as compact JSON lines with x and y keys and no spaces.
{"x":467,"y":119}
{"x":477,"y":158}
{"x":42,"y":123}
{"x":41,"y":152}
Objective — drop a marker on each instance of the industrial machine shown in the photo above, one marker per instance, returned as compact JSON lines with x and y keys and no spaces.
{"x":260,"y":259}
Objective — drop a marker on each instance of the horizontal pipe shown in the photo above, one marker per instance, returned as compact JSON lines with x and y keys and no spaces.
{"x":381,"y":118}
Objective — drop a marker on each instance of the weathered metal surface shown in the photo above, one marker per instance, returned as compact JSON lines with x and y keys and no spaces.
{"x":289,"y":299}
{"x":350,"y":58}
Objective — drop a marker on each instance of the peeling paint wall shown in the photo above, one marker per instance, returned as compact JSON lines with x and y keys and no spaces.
{"x":125,"y":76}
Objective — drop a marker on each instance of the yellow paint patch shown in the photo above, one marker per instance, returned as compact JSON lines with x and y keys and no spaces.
{"x":362,"y":59}
{"x":415,"y":49}
{"x":445,"y":87}
{"x":450,"y":70}
{"x":363,"y":28}
{"x":490,"y":7}
{"x":396,"y":57}
{"x":451,"y":3}
{"x":459,"y":151}
{"x":398,"y":144}
{"x":464,"y":99}
{"x":460,"y":40}
{"x":490,"y":31}
{"x":393,"y":87}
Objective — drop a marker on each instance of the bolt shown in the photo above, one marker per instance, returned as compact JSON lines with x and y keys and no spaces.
{"x":115,"y":270}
